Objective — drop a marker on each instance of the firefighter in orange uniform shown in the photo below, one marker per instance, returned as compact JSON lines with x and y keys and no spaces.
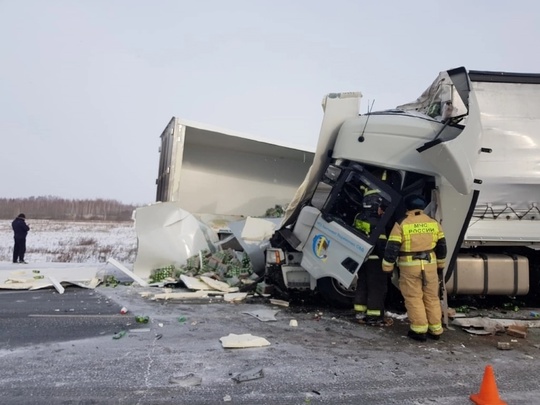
{"x":418,"y":245}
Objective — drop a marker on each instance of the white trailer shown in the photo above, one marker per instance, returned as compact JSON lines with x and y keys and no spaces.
{"x":209,"y":170}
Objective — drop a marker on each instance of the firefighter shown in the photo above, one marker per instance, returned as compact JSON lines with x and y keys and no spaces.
{"x":418,"y":245}
{"x":372,"y":283}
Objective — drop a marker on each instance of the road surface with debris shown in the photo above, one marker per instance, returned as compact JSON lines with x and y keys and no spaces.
{"x":80,"y":350}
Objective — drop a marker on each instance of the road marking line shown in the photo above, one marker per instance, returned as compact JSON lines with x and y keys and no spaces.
{"x":74,"y":315}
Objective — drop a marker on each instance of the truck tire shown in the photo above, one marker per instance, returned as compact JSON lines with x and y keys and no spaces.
{"x":334,"y":293}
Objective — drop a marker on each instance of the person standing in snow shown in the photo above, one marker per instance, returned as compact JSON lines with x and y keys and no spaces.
{"x":20,"y":230}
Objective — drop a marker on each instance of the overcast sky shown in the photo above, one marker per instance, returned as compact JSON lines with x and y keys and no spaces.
{"x":86,"y":87}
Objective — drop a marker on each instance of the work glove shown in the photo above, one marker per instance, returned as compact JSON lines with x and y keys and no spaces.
{"x":387,"y":267}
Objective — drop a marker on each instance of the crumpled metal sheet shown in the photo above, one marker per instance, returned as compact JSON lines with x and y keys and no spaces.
{"x":263,"y":315}
{"x":248,"y":375}
{"x":168,"y":235}
{"x":38,"y":277}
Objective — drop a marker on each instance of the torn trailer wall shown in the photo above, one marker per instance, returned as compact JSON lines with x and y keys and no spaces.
{"x":212,"y":171}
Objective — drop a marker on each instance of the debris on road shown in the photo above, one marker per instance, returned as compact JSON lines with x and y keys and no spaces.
{"x":473,"y":331}
{"x":119,"y":335}
{"x":219,"y":285}
{"x":517,"y":331}
{"x":194,"y":283}
{"x":280,"y":303}
{"x":233,"y":341}
{"x":503,"y":346}
{"x":59,"y":278}
{"x":293,"y":323}
{"x":263,"y":315}
{"x":235,"y":297}
{"x":252,"y":374}
{"x":127,"y":272}
{"x":142,"y":319}
{"x":188,"y":380}
{"x":181,"y":295}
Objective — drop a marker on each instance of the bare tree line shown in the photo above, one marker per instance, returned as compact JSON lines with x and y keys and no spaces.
{"x":57,"y":208}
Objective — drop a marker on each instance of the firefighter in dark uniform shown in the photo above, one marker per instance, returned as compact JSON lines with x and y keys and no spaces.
{"x":418,"y":245}
{"x":372,"y":284}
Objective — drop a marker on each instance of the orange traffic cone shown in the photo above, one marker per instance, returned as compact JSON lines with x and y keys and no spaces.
{"x":489,"y":394}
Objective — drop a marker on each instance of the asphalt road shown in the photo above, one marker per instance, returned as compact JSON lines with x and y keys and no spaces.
{"x":59,"y":349}
{"x":44,"y":316}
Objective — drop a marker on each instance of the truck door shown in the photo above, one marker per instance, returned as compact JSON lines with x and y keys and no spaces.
{"x":344,"y":231}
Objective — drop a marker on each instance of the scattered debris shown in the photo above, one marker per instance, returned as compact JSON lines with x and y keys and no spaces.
{"x":293,"y":323}
{"x":219,"y":285}
{"x":464,"y":309}
{"x":399,"y":317}
{"x":473,"y":331}
{"x":110,"y":281}
{"x":227,"y":398}
{"x":517,"y":331}
{"x":499,"y":324}
{"x":127,"y":272}
{"x":510,"y":306}
{"x":33,"y":279}
{"x":232,"y":341}
{"x":194,"y":283}
{"x":168,"y":273}
{"x":119,"y":335}
{"x":503,"y":346}
{"x":142,"y":319}
{"x":182,"y":320}
{"x":235,"y":297}
{"x":281,"y":303}
{"x":252,"y":374}
{"x":56,"y":284}
{"x":263,"y":315}
{"x":181,"y":295}
{"x":188,"y":380}
{"x":264,"y":289}
{"x":123,"y":310}
{"x":257,"y":230}
{"x":166,"y":234}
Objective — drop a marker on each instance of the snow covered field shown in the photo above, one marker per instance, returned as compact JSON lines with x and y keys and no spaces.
{"x":75,"y":242}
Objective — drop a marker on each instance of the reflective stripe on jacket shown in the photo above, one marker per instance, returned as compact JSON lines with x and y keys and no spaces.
{"x":417,"y":233}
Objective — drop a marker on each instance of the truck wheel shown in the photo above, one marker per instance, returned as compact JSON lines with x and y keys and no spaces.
{"x":335,"y":293}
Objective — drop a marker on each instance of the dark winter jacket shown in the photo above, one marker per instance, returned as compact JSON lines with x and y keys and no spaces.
{"x":20,"y":228}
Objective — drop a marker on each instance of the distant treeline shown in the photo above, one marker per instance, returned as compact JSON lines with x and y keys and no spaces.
{"x":61,"y":209}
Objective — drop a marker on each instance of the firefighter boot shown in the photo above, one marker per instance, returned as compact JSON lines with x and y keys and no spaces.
{"x":420,"y":337}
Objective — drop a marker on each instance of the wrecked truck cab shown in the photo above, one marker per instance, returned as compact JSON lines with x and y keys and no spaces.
{"x":326,"y":237}
{"x":429,"y":147}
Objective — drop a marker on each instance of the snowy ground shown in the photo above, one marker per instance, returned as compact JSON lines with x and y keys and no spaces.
{"x":74,"y":242}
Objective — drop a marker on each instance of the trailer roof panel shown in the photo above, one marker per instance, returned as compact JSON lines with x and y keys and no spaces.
{"x":504,"y":77}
